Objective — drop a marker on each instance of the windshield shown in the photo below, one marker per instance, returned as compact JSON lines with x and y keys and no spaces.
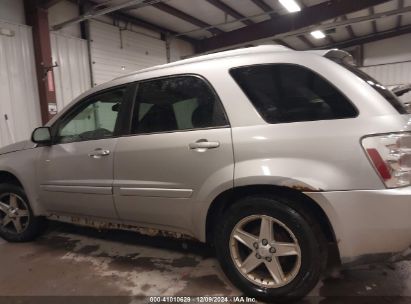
{"x":387,"y":94}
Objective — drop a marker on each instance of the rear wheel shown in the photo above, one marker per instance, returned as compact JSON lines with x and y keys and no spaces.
{"x":269,"y":250}
{"x":17,"y":221}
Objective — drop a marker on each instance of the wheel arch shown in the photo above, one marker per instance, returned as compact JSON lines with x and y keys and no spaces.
{"x":302,"y":202}
{"x":7,"y":177}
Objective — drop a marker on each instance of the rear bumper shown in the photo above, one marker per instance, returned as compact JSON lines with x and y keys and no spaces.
{"x":369,"y":225}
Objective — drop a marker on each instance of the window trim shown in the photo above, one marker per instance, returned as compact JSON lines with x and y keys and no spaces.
{"x":205,"y":80}
{"x":122,"y":113}
{"x":301,"y":66}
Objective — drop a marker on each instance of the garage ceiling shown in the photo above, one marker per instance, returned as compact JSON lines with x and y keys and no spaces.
{"x":216,"y":24}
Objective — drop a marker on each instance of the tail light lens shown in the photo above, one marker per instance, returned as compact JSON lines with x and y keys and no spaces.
{"x":391,"y":156}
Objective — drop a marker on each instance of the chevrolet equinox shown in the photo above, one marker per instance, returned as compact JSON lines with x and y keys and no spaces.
{"x":276,"y":158}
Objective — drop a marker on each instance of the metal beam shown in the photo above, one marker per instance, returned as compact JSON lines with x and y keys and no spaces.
{"x":374,"y":22}
{"x":229,"y":11}
{"x":37,"y":18}
{"x":224,"y":23}
{"x":370,"y":38}
{"x":282,"y":42}
{"x":330,"y":39}
{"x":336,"y":24}
{"x":150,"y":26}
{"x":399,"y":18}
{"x":309,"y":16}
{"x":118,"y":15}
{"x":186,"y":17}
{"x":306,"y":41}
{"x":349,"y":28}
{"x":100,"y":12}
{"x":85,"y":34}
{"x":264,"y":7}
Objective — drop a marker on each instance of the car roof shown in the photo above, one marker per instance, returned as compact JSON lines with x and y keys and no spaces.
{"x":255,"y":50}
{"x":261,"y":49}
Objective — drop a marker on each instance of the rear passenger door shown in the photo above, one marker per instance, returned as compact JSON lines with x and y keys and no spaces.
{"x":178,"y":154}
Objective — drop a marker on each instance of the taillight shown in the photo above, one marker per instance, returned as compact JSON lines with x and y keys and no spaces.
{"x":391,"y":156}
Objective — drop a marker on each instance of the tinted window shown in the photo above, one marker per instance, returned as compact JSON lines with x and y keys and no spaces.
{"x":94,"y":119}
{"x":177,"y":103}
{"x":290,"y":93}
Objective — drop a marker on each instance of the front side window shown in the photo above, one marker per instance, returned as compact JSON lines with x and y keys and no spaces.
{"x":96,"y":118}
{"x":176,"y":103}
{"x":284,"y":93}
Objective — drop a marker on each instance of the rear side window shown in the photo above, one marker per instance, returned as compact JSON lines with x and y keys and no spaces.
{"x":284,"y":93}
{"x":176,"y":103}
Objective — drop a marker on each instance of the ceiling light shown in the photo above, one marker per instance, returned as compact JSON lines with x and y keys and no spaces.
{"x":318,"y":34}
{"x":291,"y":5}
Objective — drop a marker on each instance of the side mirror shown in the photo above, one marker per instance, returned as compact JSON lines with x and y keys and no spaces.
{"x":41,"y":135}
{"x":116,"y":107}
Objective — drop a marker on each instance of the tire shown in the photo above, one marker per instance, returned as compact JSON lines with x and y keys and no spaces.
{"x":306,"y":250}
{"x":30,"y":226}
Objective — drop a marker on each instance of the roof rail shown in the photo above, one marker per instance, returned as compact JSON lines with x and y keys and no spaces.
{"x":261,"y":49}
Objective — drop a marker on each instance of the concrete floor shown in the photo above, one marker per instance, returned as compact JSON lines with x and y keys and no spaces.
{"x":76,"y":261}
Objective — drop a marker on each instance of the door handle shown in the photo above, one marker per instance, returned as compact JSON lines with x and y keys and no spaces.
{"x":99,"y":153}
{"x":203,"y":145}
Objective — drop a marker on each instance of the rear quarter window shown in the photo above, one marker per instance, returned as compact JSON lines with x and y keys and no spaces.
{"x":284,"y":93}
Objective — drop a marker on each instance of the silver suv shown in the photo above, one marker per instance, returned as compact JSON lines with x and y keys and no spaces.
{"x":277,"y":158}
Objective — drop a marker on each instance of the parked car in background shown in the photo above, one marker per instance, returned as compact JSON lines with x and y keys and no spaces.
{"x":274,"y":157}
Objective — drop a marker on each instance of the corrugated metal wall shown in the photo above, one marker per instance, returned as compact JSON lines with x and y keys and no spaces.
{"x":392,"y":75}
{"x":389,"y":61}
{"x":18,"y":84}
{"x":72,"y":76}
{"x":115,"y":53}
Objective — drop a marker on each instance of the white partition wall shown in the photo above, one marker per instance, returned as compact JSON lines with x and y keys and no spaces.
{"x":115,"y":53}
{"x":19,"y":100}
{"x":389,"y":61}
{"x":72,"y":74}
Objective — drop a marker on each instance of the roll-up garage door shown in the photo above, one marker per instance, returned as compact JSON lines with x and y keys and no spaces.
{"x":116,"y":52}
{"x":72,"y":73}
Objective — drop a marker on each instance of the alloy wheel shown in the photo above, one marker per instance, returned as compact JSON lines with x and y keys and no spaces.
{"x":265,"y":251}
{"x":14,"y":213}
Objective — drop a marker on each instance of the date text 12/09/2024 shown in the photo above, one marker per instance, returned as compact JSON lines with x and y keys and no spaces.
{"x":202,"y":299}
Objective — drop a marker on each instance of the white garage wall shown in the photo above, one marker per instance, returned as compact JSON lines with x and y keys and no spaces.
{"x":72,"y":76}
{"x":63,"y":11}
{"x":114,"y":54}
{"x":389,"y":61}
{"x":18,"y":84}
{"x":13,"y":11}
{"x":180,"y":49}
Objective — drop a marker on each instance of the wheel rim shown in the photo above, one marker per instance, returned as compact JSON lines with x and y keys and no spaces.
{"x":265,"y":251}
{"x":14,"y":213}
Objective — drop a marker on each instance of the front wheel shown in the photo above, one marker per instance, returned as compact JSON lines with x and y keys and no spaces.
{"x":17,"y":221}
{"x":269,"y":250}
